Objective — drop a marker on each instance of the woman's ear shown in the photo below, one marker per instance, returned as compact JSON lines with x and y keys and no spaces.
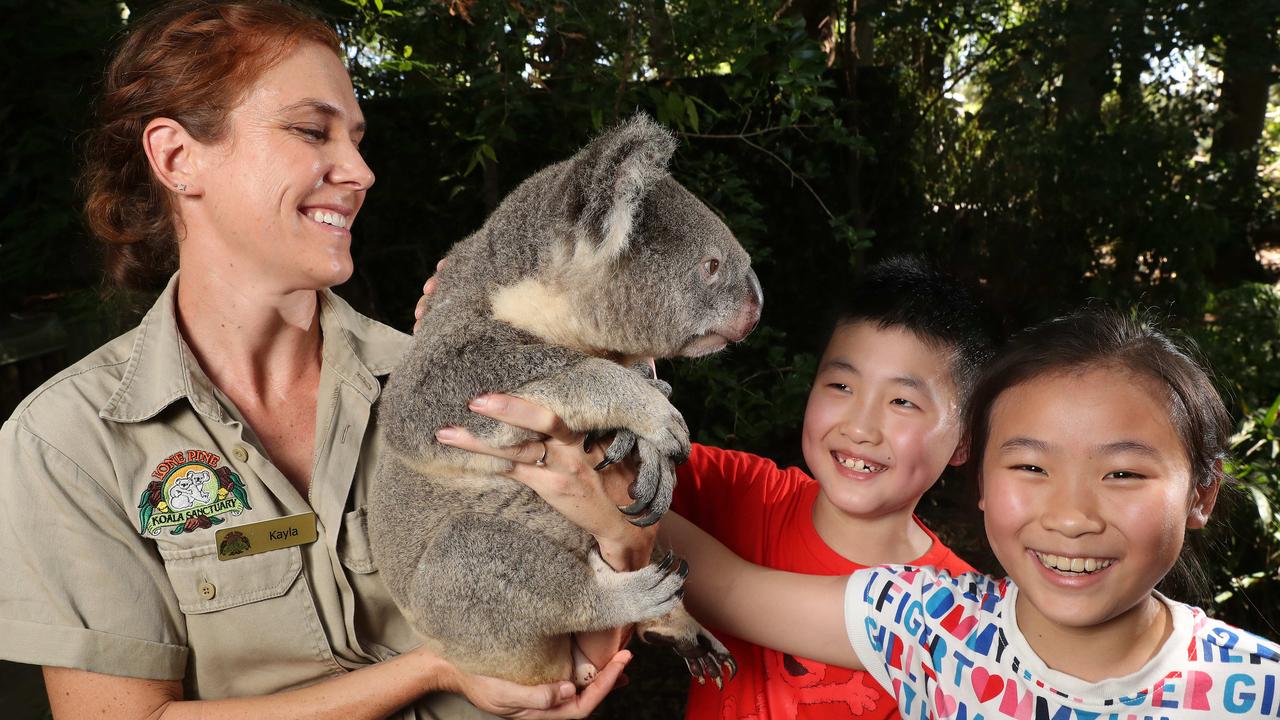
{"x":961,"y":454}
{"x":1204,"y":497}
{"x":171,"y":152}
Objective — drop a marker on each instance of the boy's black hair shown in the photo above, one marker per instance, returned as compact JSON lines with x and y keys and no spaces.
{"x":907,"y":292}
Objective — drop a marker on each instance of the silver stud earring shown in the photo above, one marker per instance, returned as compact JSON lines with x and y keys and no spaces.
{"x":181,"y":187}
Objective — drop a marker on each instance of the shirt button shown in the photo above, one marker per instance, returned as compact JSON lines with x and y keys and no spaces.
{"x":241,"y":454}
{"x":207,"y":590}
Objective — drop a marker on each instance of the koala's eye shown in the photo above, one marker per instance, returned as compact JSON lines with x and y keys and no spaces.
{"x":711,"y":266}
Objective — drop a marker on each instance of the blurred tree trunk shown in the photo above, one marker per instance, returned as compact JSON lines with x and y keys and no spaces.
{"x":1086,"y":72}
{"x":1250,"y":51}
{"x":662,"y":50}
{"x":1134,"y":48}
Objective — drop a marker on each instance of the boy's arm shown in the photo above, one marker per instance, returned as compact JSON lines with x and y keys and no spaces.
{"x":798,"y":614}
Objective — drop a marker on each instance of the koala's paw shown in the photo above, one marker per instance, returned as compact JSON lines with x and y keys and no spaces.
{"x":624,"y":441}
{"x":660,"y":450}
{"x":704,"y":655}
{"x":647,"y":593}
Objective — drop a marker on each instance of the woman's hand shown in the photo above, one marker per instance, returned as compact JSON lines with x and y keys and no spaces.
{"x":552,"y":700}
{"x":562,"y":469}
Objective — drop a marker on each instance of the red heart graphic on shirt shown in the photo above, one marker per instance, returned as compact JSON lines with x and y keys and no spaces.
{"x":985,"y":684}
{"x":943,"y":704}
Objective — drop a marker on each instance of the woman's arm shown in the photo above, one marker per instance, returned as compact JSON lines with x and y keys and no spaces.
{"x":798,"y":614}
{"x":372,"y":692}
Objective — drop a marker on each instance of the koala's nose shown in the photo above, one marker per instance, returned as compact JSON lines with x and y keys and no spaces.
{"x":755,"y":299}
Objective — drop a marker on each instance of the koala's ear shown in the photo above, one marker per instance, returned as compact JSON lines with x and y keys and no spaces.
{"x":611,"y":176}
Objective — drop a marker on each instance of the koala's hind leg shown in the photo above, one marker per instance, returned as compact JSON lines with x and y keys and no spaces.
{"x":492,"y":594}
{"x":702,"y":653}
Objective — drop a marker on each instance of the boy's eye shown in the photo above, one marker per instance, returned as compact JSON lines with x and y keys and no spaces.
{"x":903,"y":402}
{"x":1125,"y":475}
{"x":1030,"y":468}
{"x":838,"y":386}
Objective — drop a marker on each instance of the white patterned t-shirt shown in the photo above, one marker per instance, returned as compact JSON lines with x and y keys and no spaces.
{"x":949,"y":647}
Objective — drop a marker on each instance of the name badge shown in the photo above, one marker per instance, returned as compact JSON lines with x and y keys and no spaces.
{"x":260,"y":537}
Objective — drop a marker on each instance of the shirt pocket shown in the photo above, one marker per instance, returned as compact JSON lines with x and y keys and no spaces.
{"x":251,"y":612}
{"x":353,"y":545}
{"x":205,"y":584}
{"x":380,"y":626}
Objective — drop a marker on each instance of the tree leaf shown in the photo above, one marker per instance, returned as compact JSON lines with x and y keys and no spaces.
{"x":1264,"y":505}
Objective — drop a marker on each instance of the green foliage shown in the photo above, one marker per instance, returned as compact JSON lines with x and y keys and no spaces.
{"x":1247,"y":562}
{"x":1241,"y":338}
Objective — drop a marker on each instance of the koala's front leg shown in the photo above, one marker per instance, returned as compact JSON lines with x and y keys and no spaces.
{"x":598,"y":395}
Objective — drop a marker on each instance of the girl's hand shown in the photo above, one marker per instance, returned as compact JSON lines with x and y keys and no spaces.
{"x":561,"y":469}
{"x":552,"y":700}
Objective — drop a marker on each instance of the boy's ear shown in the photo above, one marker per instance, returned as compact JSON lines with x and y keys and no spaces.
{"x":1204,"y":498}
{"x":611,"y":176}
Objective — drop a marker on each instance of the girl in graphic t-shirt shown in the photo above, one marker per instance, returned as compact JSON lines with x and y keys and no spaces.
{"x":1096,"y":443}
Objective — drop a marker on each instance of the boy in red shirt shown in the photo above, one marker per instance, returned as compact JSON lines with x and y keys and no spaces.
{"x":882,"y":422}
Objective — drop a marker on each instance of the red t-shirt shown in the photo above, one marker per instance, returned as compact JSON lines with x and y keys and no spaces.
{"x":765,"y":514}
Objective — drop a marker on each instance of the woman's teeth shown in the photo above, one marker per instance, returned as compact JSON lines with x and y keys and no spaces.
{"x":859,"y":464}
{"x":334,"y":219}
{"x":1077,"y":566}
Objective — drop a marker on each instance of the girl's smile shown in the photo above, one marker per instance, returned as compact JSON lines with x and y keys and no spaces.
{"x":1087,"y":491}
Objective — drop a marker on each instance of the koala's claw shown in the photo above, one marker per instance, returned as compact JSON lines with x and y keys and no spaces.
{"x":647,"y":593}
{"x":702,"y":654}
{"x":624,"y":441}
{"x":661,"y":386}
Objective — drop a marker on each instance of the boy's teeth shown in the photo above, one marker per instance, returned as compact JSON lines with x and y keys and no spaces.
{"x":1082,"y":566}
{"x":859,"y":464}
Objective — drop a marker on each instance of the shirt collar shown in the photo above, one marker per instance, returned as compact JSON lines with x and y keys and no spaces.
{"x":162,"y":368}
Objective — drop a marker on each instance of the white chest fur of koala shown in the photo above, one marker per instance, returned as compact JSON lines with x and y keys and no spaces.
{"x":591,"y":262}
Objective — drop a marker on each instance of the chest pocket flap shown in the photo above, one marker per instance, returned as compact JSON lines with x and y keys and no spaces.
{"x":203,"y":583}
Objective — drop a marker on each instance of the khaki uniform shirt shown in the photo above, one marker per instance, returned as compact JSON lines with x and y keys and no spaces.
{"x":99,"y":575}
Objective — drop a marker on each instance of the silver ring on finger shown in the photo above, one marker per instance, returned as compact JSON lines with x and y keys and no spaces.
{"x":542,"y":461}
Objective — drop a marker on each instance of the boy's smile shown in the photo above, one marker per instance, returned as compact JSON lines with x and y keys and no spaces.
{"x":880,"y":426}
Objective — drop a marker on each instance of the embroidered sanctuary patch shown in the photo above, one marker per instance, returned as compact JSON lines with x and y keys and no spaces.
{"x":188,"y":492}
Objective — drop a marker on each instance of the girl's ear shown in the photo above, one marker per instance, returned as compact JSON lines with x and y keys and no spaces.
{"x":1203,"y":499}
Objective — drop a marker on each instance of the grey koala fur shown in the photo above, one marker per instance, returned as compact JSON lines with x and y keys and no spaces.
{"x":585,"y":267}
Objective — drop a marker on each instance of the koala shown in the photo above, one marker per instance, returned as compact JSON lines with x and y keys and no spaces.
{"x":588,"y":266}
{"x":188,"y":490}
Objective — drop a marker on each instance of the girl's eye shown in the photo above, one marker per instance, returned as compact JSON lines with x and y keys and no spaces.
{"x":838,"y":386}
{"x":1125,"y":475}
{"x":1030,"y":468}
{"x":903,"y":402}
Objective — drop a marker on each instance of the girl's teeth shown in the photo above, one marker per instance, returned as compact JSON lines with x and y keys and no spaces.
{"x":1073,"y":565}
{"x":859,"y":465}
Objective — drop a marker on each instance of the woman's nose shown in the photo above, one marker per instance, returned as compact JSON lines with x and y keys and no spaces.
{"x":350,"y":168}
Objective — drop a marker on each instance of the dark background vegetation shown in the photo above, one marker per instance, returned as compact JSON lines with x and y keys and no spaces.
{"x":1046,"y":151}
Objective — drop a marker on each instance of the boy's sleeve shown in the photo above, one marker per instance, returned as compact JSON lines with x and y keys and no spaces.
{"x":81,"y":588}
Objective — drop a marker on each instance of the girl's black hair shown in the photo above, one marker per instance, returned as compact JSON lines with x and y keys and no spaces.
{"x":1099,"y":337}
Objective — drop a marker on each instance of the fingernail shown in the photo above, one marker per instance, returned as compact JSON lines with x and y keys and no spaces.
{"x":567,"y":690}
{"x":480,"y":402}
{"x":447,"y":433}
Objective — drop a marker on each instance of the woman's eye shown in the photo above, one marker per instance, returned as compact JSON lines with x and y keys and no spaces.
{"x":312,"y":133}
